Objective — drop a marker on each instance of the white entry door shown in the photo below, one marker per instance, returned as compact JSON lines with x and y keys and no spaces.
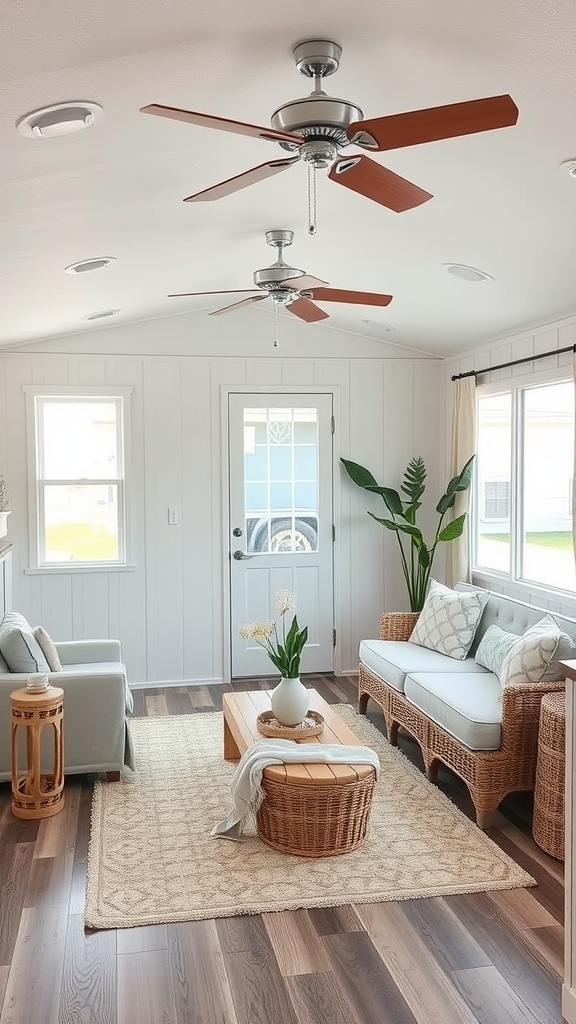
{"x":281,"y":533}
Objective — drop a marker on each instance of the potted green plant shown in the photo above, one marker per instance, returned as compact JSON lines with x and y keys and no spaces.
{"x":416,"y":554}
{"x":4,"y":502}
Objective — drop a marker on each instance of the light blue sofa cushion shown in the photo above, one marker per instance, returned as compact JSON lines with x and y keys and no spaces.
{"x":467,"y":705}
{"x":19,"y":647}
{"x":391,"y":660}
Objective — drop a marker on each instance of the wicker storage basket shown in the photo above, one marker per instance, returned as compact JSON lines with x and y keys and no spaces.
{"x":548,"y":823}
{"x":315,"y":821}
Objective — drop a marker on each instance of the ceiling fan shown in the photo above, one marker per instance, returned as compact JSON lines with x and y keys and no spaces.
{"x":318,"y":126}
{"x":290,"y":287}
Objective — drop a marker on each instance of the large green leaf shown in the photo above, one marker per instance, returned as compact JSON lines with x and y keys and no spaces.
{"x":465,"y":478}
{"x":412,"y":531}
{"x":457,"y":483}
{"x":453,"y":530}
{"x":359,"y":474}
{"x":414,"y":478}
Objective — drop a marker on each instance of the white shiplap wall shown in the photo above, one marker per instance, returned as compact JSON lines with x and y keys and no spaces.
{"x":169,"y":612}
{"x":550,"y":337}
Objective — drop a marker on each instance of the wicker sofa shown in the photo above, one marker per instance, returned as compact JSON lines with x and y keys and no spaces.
{"x":408,"y":681}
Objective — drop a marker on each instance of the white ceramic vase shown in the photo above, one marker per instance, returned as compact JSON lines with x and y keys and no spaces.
{"x":290,"y":701}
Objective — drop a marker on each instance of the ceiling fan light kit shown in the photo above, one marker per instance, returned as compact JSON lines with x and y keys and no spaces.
{"x":315,"y":128}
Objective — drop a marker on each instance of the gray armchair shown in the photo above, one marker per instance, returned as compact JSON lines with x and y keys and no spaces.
{"x":97,"y":702}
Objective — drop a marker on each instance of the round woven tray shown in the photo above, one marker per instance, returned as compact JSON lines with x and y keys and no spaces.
{"x":312,"y":725}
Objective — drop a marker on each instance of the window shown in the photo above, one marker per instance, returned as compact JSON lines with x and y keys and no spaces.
{"x":78,"y":506}
{"x":524,"y":471}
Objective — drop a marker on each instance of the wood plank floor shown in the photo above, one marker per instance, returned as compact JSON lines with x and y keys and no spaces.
{"x":487,"y":958}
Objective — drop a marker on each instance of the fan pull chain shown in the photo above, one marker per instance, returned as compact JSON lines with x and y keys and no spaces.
{"x":275,"y":325}
{"x":311,"y":199}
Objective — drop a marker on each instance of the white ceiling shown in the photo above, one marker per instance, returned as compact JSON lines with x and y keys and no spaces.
{"x":500,"y":201}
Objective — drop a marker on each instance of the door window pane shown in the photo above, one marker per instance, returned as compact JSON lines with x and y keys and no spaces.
{"x":281,"y":479}
{"x":494,"y":482}
{"x":548,"y":421}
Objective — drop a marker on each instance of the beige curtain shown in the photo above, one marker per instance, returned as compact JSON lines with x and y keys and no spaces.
{"x":463,"y":448}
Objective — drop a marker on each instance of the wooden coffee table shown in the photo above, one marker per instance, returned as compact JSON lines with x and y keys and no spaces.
{"x":310,"y":810}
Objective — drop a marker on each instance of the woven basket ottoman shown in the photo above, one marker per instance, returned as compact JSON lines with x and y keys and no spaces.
{"x":321,"y":819}
{"x":548,"y":822}
{"x":309,"y":810}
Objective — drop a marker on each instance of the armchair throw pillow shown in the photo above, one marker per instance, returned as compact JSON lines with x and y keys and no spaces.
{"x":19,"y":647}
{"x":48,"y":649}
{"x":449,"y":620}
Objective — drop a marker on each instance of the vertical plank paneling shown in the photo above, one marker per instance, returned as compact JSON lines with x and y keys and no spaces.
{"x":168,"y":610}
{"x":201,"y":538}
{"x":163,"y":489}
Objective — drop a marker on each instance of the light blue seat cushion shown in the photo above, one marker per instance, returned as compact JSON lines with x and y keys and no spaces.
{"x":467,"y":705}
{"x":19,"y":647}
{"x":391,"y":660}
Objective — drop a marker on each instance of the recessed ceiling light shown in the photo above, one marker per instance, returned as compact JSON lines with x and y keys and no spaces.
{"x":100,"y":314}
{"x":97,"y":263}
{"x":467,"y":273}
{"x":59,"y":119}
{"x":569,"y":166}
{"x":377,"y":325}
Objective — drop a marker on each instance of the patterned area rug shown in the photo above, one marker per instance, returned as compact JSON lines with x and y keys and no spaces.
{"x":152,"y":860}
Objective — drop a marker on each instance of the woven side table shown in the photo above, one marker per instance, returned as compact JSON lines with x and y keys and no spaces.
{"x":548,"y":823}
{"x":37,"y":794}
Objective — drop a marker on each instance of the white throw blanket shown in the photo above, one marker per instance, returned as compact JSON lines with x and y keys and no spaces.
{"x":246,"y":788}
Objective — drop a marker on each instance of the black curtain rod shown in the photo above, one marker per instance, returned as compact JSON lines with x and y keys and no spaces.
{"x":514,"y":362}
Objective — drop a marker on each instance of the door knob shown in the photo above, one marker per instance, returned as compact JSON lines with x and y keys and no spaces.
{"x":239,"y":555}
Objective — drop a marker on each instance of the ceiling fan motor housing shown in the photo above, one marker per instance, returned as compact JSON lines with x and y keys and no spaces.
{"x":319,"y":118}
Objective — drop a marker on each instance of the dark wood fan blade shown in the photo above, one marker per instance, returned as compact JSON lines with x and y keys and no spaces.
{"x":237,"y":305}
{"x":304,"y":283}
{"x":342,"y":295}
{"x":434,"y":123}
{"x":223,"y":124}
{"x":228,"y":291}
{"x":251,"y":177}
{"x":306,"y":310}
{"x":365,"y":176}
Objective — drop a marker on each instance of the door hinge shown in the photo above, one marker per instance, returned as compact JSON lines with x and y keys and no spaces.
{"x":333,"y":638}
{"x":333,"y":533}
{"x":333,"y":425}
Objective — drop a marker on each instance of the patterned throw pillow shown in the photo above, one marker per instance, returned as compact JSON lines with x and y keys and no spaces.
{"x":48,"y":649}
{"x":531,"y":657}
{"x":565,"y":651}
{"x":494,"y":647}
{"x":449,"y":620}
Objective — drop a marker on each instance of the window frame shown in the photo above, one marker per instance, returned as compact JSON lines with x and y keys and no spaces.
{"x":515,"y":386}
{"x":36,"y":397}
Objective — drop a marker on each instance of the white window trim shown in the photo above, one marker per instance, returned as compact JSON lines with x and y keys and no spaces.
{"x":32,"y":392}
{"x":481,"y":574}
